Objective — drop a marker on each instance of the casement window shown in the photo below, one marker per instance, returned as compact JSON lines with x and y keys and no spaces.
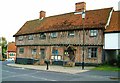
{"x":34,"y":51}
{"x":93,"y":33}
{"x":53,"y":35}
{"x":55,"y":55}
{"x":20,"y":38}
{"x":92,"y":52}
{"x":71,"y":34}
{"x":21,"y":50}
{"x":30,"y":37}
{"x":42,"y":35}
{"x":12,"y":54}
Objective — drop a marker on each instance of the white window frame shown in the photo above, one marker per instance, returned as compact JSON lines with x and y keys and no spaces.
{"x":93,"y":33}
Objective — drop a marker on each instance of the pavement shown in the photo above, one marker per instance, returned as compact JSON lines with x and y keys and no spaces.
{"x":53,"y":68}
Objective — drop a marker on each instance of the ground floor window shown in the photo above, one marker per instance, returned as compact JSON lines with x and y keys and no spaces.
{"x":21,"y":50}
{"x":92,"y":52}
{"x":55,"y":55}
{"x":12,"y":54}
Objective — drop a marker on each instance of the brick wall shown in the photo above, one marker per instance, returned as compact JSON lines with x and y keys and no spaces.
{"x":48,"y":51}
{"x":76,"y":40}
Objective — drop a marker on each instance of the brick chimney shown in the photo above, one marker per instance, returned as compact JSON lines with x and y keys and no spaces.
{"x":80,"y":6}
{"x":42,"y":14}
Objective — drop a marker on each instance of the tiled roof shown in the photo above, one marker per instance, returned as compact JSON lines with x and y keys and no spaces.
{"x":93,"y":19}
{"x":114,"y":23}
{"x":11,"y":47}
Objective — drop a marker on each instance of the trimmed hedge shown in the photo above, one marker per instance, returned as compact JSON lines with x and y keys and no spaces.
{"x":24,"y":61}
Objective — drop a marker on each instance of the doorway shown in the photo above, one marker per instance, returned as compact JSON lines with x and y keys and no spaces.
{"x":71,"y":53}
{"x":42,"y":53}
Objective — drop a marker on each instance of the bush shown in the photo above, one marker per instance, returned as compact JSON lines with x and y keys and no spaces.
{"x":112,"y":62}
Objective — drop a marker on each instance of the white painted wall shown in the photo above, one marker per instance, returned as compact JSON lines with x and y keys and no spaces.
{"x":112,"y":41}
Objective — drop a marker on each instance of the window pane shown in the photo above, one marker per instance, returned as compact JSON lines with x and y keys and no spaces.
{"x":89,"y":53}
{"x":92,"y":52}
{"x":93,"y":32}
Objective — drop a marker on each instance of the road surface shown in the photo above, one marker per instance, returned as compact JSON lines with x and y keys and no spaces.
{"x":21,"y":74}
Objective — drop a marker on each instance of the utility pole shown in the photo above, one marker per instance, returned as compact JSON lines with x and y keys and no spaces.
{"x":83,"y":17}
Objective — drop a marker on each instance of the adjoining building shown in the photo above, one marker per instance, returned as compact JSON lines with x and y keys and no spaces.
{"x":0,"y":48}
{"x":11,"y":50}
{"x":112,"y":38}
{"x":60,"y":37}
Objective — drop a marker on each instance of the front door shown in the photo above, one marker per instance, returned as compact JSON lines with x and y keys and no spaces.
{"x":70,"y":51}
{"x":42,"y":53}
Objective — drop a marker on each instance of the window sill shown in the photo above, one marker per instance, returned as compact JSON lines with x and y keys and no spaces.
{"x":42,"y":38}
{"x":93,"y":36}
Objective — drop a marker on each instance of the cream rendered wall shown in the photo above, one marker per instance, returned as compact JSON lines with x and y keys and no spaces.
{"x":112,"y":41}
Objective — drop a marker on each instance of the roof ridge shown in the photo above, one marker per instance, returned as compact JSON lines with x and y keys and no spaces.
{"x":70,"y":13}
{"x":101,"y":9}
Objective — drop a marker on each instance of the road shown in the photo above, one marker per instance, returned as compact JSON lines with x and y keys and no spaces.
{"x":21,"y":74}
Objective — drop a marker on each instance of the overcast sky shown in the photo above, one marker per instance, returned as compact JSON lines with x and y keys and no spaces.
{"x":14,"y":13}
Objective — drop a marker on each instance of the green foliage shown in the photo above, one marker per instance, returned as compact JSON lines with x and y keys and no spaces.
{"x":107,"y":68}
{"x":3,"y":43}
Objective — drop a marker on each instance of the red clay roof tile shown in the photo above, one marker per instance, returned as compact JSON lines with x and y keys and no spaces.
{"x":11,"y":47}
{"x":114,"y":23}
{"x":94,"y":19}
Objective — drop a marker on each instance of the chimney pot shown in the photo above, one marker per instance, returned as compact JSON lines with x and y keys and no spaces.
{"x":80,"y":6}
{"x":42,"y":14}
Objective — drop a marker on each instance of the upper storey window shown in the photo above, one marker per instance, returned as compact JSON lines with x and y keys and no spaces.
{"x":30,"y":37}
{"x":53,"y":34}
{"x":93,"y":33}
{"x":42,"y":35}
{"x":20,"y":38}
{"x":71,"y":34}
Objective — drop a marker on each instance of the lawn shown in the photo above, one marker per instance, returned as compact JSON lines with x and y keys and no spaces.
{"x":107,"y":68}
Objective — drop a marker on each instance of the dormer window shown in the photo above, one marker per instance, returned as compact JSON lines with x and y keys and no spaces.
{"x":53,"y":35}
{"x":71,"y":34}
{"x":20,"y":38}
{"x":30,"y":37}
{"x":93,"y":33}
{"x":42,"y":35}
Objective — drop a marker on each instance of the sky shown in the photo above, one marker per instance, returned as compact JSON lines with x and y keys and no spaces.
{"x":14,"y":13}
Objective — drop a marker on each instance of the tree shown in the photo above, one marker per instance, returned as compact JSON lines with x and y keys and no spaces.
{"x":3,"y":43}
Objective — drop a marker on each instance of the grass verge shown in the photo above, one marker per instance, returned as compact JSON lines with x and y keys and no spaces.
{"x":107,"y":68}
